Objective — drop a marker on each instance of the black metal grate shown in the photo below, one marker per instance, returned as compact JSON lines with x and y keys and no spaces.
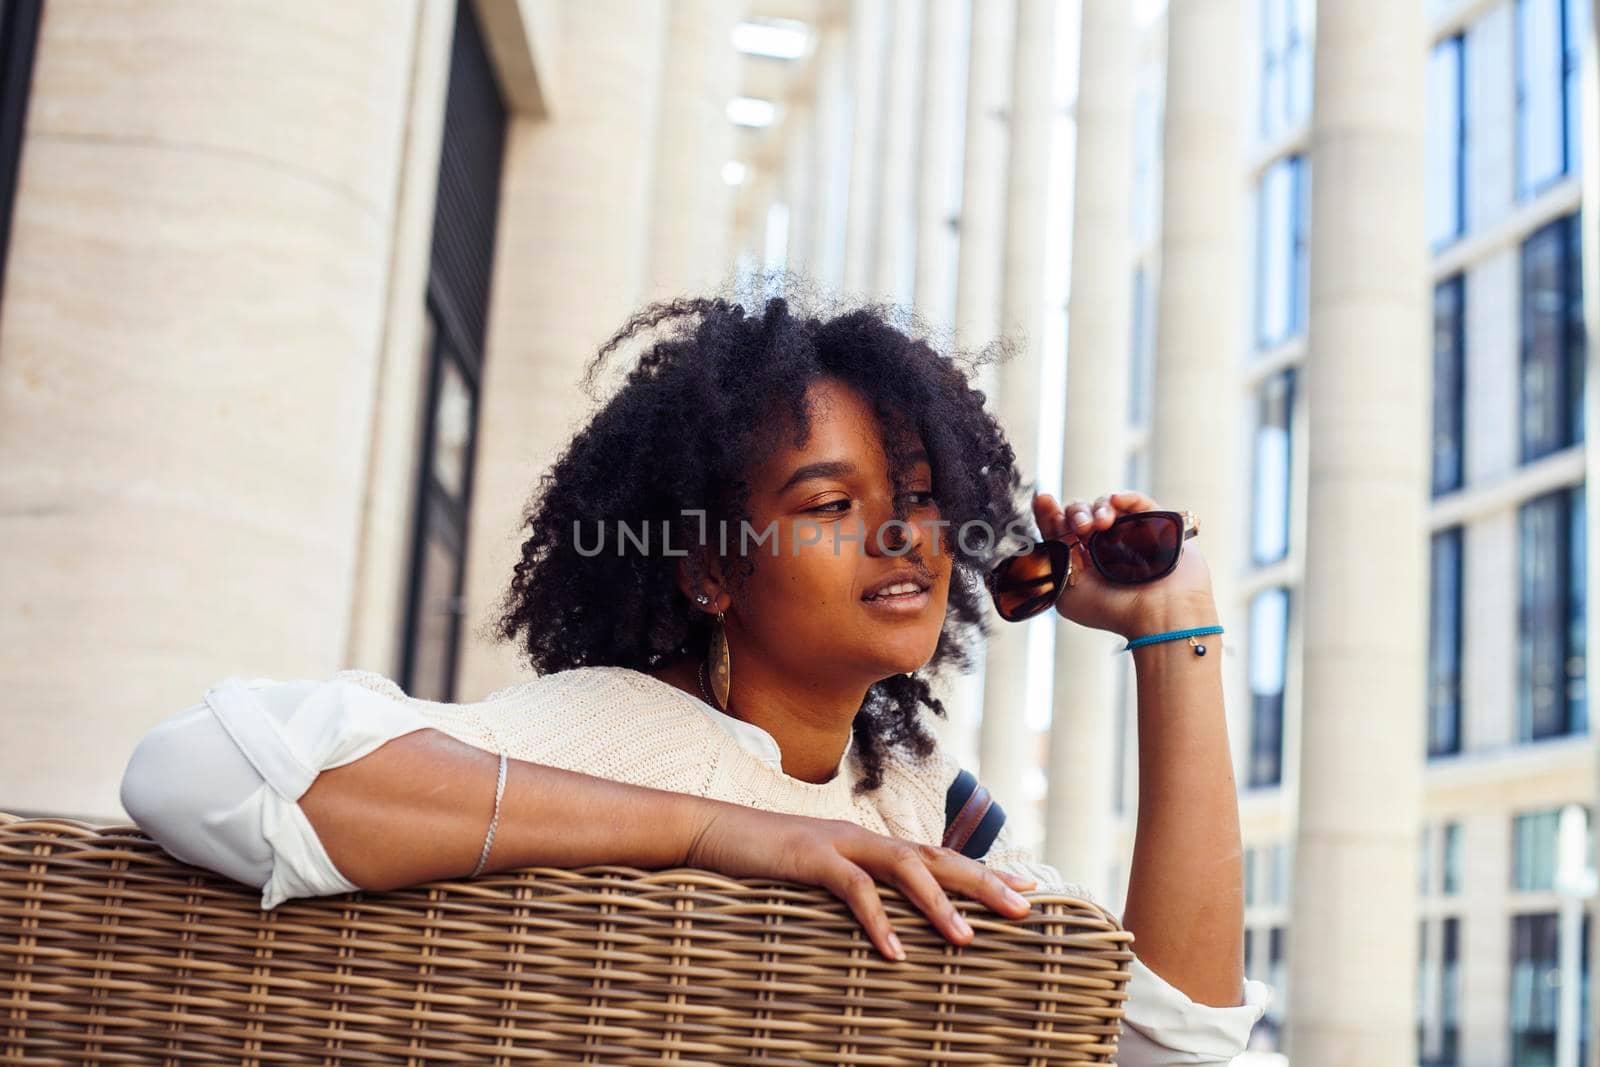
{"x":469,"y":186}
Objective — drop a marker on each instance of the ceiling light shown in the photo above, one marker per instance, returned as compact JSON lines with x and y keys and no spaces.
{"x":751,"y":111}
{"x":772,"y":38}
{"x":733,"y":172}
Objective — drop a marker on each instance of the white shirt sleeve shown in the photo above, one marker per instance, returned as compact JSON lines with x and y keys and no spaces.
{"x":218,"y":784}
{"x":1161,"y":1025}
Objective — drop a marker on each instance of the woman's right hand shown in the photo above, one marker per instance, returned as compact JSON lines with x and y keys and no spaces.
{"x":847,"y":859}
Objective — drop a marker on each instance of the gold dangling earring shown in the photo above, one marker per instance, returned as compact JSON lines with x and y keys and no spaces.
{"x":721,"y":663}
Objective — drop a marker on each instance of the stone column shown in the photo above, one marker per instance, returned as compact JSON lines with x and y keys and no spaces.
{"x":868,"y":30}
{"x":692,"y":206}
{"x":194,"y":305}
{"x":1195,"y":406}
{"x":800,"y":182}
{"x":831,"y":182}
{"x":933,"y":292}
{"x":569,"y":269}
{"x":1352,"y":963}
{"x":376,"y":637}
{"x":1078,"y":820}
{"x":983,"y":176}
{"x":1005,"y":746}
{"x":980,"y":234}
{"x":894,"y":264}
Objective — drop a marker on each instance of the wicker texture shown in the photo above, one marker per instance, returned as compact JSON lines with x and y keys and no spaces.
{"x":111,"y":951}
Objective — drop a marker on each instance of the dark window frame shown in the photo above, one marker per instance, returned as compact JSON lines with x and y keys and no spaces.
{"x":1558,"y":239}
{"x":1458,"y":44}
{"x":1534,"y":945}
{"x":1445,"y":649}
{"x":1449,"y":384}
{"x":19,"y":39}
{"x":1278,"y":391}
{"x":1265,"y":767}
{"x":1550,"y":620}
{"x":457,"y":305}
{"x":1298,"y":232}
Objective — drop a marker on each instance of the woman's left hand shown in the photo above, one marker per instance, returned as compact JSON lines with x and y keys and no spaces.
{"x":1128,"y":610}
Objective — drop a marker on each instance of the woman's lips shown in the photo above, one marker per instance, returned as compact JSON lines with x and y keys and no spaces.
{"x":899,"y":603}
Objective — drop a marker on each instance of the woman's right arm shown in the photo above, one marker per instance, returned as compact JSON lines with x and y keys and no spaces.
{"x":315,"y":788}
{"x":417,"y":809}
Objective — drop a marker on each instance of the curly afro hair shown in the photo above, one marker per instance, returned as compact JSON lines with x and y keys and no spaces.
{"x":716,"y":383}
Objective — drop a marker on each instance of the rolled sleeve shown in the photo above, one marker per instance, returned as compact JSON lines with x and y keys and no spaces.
{"x":1161,"y":1025}
{"x":218,"y":784}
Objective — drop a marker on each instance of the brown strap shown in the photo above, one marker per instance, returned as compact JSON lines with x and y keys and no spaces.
{"x":967,"y":819}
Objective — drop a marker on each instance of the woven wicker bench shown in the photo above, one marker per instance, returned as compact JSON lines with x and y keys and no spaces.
{"x":111,"y":951}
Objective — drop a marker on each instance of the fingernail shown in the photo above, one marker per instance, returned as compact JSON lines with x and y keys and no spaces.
{"x":1016,"y":898}
{"x":963,"y":925}
{"x":895,"y":948}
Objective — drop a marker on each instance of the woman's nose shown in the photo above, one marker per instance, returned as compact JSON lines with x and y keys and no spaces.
{"x":893,"y":535}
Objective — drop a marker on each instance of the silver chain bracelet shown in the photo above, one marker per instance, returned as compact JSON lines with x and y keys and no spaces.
{"x":499,"y":791}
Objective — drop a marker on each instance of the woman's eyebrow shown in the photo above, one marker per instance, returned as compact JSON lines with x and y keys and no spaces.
{"x":828,"y":468}
{"x":833,"y":468}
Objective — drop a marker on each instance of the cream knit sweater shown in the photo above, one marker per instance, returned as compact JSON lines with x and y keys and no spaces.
{"x":218,"y":785}
{"x":631,"y":727}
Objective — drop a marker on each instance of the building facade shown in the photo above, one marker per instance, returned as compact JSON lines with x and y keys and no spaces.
{"x":280,"y":369}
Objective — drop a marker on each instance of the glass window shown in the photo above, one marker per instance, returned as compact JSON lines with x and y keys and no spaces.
{"x":1278,"y":890}
{"x":1577,"y":31}
{"x":1147,"y":108}
{"x":1142,"y":349}
{"x":1283,"y":216}
{"x":1446,"y":141}
{"x":438,"y":608}
{"x":1551,"y":674}
{"x":1424,"y":966}
{"x":1450,"y":993}
{"x":1139,"y":470}
{"x":1269,"y":633}
{"x":1285,"y":64}
{"x":1452,"y":858}
{"x":1536,"y":989}
{"x":1533,"y":849}
{"x":453,"y":422}
{"x":1444,"y":643}
{"x":1425,"y":861}
{"x":1552,"y":339}
{"x":1269,"y":527}
{"x":1449,"y":384}
{"x":1577,"y":674}
{"x":1541,"y":108}
{"x":1250,"y":877}
{"x":1277,"y":977}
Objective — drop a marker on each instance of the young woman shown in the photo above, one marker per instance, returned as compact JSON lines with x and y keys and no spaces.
{"x":735,"y":582}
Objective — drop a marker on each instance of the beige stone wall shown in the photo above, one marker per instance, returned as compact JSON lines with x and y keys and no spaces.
{"x":193,"y":321}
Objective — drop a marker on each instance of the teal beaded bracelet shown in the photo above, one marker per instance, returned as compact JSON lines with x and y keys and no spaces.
{"x":1175,"y":635}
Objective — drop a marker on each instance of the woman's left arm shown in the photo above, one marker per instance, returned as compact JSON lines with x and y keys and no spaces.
{"x":1185,"y":899}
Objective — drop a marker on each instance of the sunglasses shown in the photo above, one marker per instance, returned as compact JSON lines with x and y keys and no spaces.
{"x":1141,"y":546}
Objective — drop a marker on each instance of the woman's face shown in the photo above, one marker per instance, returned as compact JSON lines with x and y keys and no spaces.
{"x":807,"y":606}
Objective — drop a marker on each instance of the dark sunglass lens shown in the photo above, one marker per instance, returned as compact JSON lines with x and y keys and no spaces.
{"x":1026,"y":584}
{"x":1138,"y":548}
